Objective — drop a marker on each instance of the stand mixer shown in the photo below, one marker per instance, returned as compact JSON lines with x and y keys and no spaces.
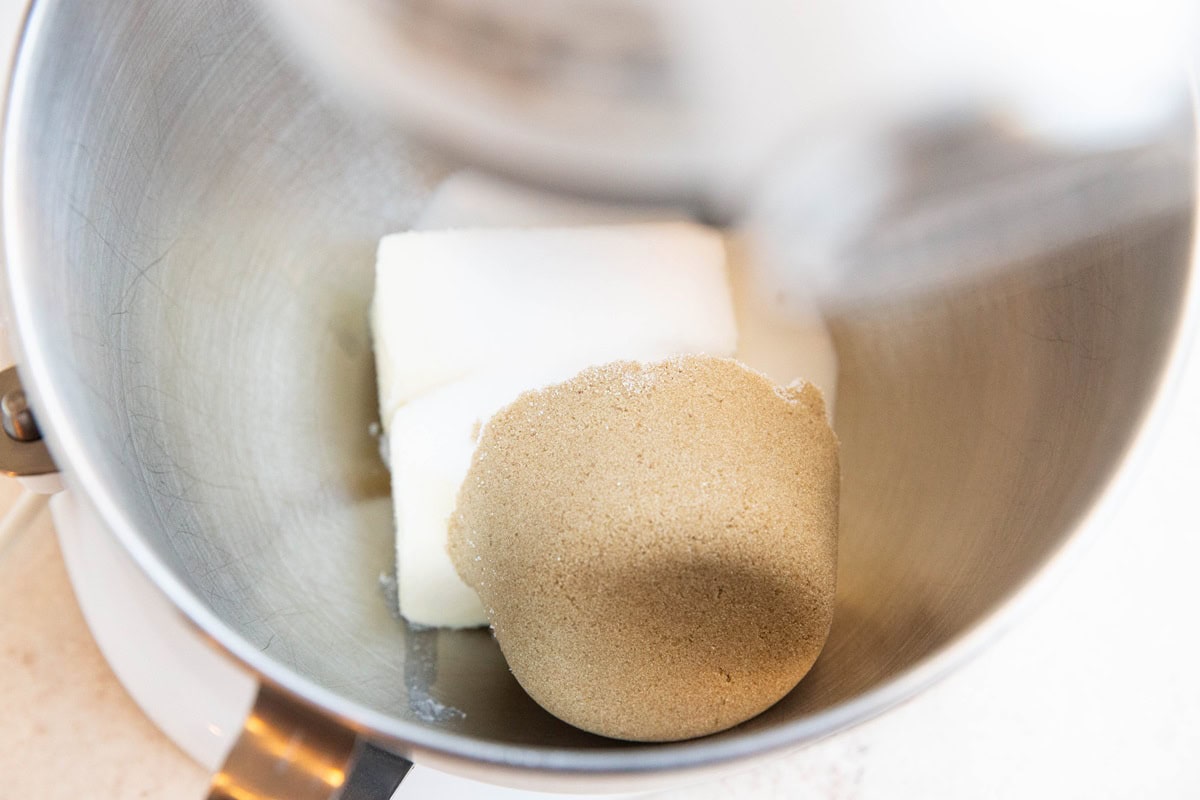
{"x":189,"y":225}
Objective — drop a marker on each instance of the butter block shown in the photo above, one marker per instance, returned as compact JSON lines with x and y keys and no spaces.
{"x":430,"y":444}
{"x":451,"y":303}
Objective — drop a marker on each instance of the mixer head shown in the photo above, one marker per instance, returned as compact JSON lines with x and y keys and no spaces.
{"x":804,"y":124}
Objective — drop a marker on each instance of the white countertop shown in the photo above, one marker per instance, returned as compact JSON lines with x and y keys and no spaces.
{"x":1069,"y":704}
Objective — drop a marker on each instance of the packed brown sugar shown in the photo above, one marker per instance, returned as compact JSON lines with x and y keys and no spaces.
{"x":655,"y":543}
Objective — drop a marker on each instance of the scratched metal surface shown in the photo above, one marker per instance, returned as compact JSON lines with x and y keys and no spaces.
{"x":191,"y":229}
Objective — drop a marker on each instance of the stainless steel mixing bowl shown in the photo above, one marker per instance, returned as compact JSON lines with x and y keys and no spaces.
{"x":190,"y":229}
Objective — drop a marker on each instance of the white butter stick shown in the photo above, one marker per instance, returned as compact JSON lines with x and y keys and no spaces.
{"x":450,"y":303}
{"x":430,"y":451}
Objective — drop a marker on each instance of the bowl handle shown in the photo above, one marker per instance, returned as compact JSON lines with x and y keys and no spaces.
{"x":23,"y":454}
{"x":290,"y":751}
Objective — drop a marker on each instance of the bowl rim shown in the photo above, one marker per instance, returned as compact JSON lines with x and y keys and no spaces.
{"x":469,"y":753}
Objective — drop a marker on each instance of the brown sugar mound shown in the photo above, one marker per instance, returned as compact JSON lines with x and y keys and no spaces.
{"x":656,"y":544}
